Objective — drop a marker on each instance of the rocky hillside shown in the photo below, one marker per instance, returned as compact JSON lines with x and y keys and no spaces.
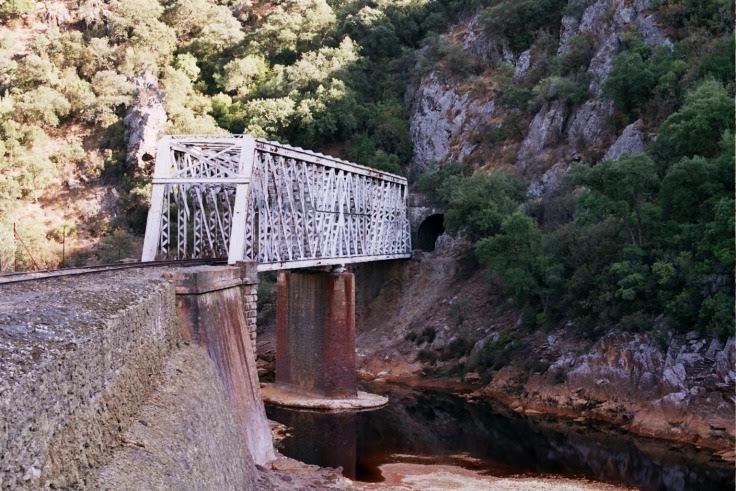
{"x":454,"y":115}
{"x":426,"y":323}
{"x":87,"y":87}
{"x":538,"y":107}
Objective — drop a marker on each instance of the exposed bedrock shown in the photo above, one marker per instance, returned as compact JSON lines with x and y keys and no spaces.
{"x":449,"y":115}
{"x":432,"y":322}
{"x":145,"y":123}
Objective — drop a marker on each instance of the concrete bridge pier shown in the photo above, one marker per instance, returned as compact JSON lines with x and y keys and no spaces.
{"x":315,"y":343}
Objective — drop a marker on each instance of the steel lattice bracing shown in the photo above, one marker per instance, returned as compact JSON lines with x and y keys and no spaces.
{"x":280,"y":206}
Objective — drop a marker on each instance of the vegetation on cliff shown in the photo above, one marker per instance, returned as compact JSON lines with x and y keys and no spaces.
{"x":322,"y":75}
{"x":645,"y":241}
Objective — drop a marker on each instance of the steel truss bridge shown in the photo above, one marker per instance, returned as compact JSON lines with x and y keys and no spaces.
{"x":248,"y":199}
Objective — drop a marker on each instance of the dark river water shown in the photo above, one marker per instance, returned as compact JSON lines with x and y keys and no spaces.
{"x":434,"y":427}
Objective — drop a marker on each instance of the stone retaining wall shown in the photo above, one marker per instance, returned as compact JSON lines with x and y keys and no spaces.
{"x":186,"y":436}
{"x":79,"y":361}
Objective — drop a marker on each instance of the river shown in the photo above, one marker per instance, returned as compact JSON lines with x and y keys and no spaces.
{"x":441,"y":429}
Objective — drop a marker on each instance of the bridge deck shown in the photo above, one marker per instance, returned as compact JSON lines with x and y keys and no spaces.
{"x":282,"y":207}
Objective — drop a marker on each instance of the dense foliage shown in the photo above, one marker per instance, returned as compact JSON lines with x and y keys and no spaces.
{"x":649,"y":244}
{"x":644,"y":242}
{"x":328,"y":76}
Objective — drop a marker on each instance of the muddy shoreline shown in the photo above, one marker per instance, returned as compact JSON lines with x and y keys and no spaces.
{"x":427,"y":436}
{"x":532,"y":409}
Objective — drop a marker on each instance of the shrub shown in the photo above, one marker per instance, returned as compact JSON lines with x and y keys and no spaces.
{"x":432,"y":181}
{"x":241,"y":74}
{"x":695,"y":129}
{"x":576,"y":58}
{"x":457,"y":348}
{"x":478,"y":204}
{"x":43,"y":105}
{"x":640,"y":73}
{"x":427,"y":356}
{"x":498,"y":353}
{"x":15,"y":8}
{"x":516,"y":97}
{"x":719,"y":62}
{"x":363,"y":150}
{"x":118,"y":244}
{"x":427,"y":336}
{"x":571,"y":91}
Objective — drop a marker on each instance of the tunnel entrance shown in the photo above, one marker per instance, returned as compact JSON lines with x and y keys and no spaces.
{"x":432,"y":227}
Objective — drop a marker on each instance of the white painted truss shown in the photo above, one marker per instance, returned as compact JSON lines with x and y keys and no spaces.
{"x":248,"y":199}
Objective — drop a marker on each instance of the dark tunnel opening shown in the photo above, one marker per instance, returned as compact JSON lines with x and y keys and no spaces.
{"x":432,"y":227}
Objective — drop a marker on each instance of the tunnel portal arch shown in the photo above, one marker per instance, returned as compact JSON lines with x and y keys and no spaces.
{"x":431,"y":227}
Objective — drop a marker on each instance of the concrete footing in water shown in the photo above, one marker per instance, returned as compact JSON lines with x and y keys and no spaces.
{"x":298,"y":400}
{"x":315,"y":343}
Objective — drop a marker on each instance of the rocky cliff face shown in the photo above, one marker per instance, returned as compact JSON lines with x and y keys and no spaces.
{"x":432,"y":322}
{"x":441,"y":119}
{"x":444,"y":114}
{"x":145,"y":122}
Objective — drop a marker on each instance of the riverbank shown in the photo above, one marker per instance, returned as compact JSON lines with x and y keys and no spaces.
{"x":419,"y":477}
{"x":431,"y":322}
{"x":543,"y":403}
{"x":428,"y":438}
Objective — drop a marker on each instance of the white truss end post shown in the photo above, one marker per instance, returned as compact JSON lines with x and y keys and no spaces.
{"x":153,"y":223}
{"x":236,"y":251}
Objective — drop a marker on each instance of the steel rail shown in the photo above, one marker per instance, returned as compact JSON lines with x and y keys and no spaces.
{"x":10,"y":278}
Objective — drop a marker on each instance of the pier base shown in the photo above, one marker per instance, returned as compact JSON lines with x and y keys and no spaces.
{"x":315,"y":343}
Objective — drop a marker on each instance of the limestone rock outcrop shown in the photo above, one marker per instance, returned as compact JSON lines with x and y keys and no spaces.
{"x":144,"y":123}
{"x":446,"y":114}
{"x":630,"y":141}
{"x":441,"y":116}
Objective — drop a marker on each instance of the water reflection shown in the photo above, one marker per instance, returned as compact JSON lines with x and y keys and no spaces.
{"x":441,"y":428}
{"x":325,"y":439}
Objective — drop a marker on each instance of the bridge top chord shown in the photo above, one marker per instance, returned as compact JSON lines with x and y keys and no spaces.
{"x":283,"y":207}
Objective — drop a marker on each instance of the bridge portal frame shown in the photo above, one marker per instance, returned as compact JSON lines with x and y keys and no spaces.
{"x":279,"y":206}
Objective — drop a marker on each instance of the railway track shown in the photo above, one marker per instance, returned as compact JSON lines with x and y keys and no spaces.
{"x":26,"y":276}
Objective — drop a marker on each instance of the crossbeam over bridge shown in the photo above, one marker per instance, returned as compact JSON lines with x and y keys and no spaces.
{"x":248,"y":199}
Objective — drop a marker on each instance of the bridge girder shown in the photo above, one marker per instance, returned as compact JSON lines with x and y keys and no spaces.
{"x":281,"y":207}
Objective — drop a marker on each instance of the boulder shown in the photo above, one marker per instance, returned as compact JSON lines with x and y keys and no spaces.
{"x":630,"y":141}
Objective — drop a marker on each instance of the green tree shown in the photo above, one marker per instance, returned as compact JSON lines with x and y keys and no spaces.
{"x":630,"y":82}
{"x":515,"y":254}
{"x":15,"y":8}
{"x":241,"y":75}
{"x":517,"y":20}
{"x":696,"y":128}
{"x":478,"y":204}
{"x":43,"y":105}
{"x":624,"y":189}
{"x":293,"y":26}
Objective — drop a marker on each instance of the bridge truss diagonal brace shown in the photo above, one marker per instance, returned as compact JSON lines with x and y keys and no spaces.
{"x":189,"y":173}
{"x":281,"y":207}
